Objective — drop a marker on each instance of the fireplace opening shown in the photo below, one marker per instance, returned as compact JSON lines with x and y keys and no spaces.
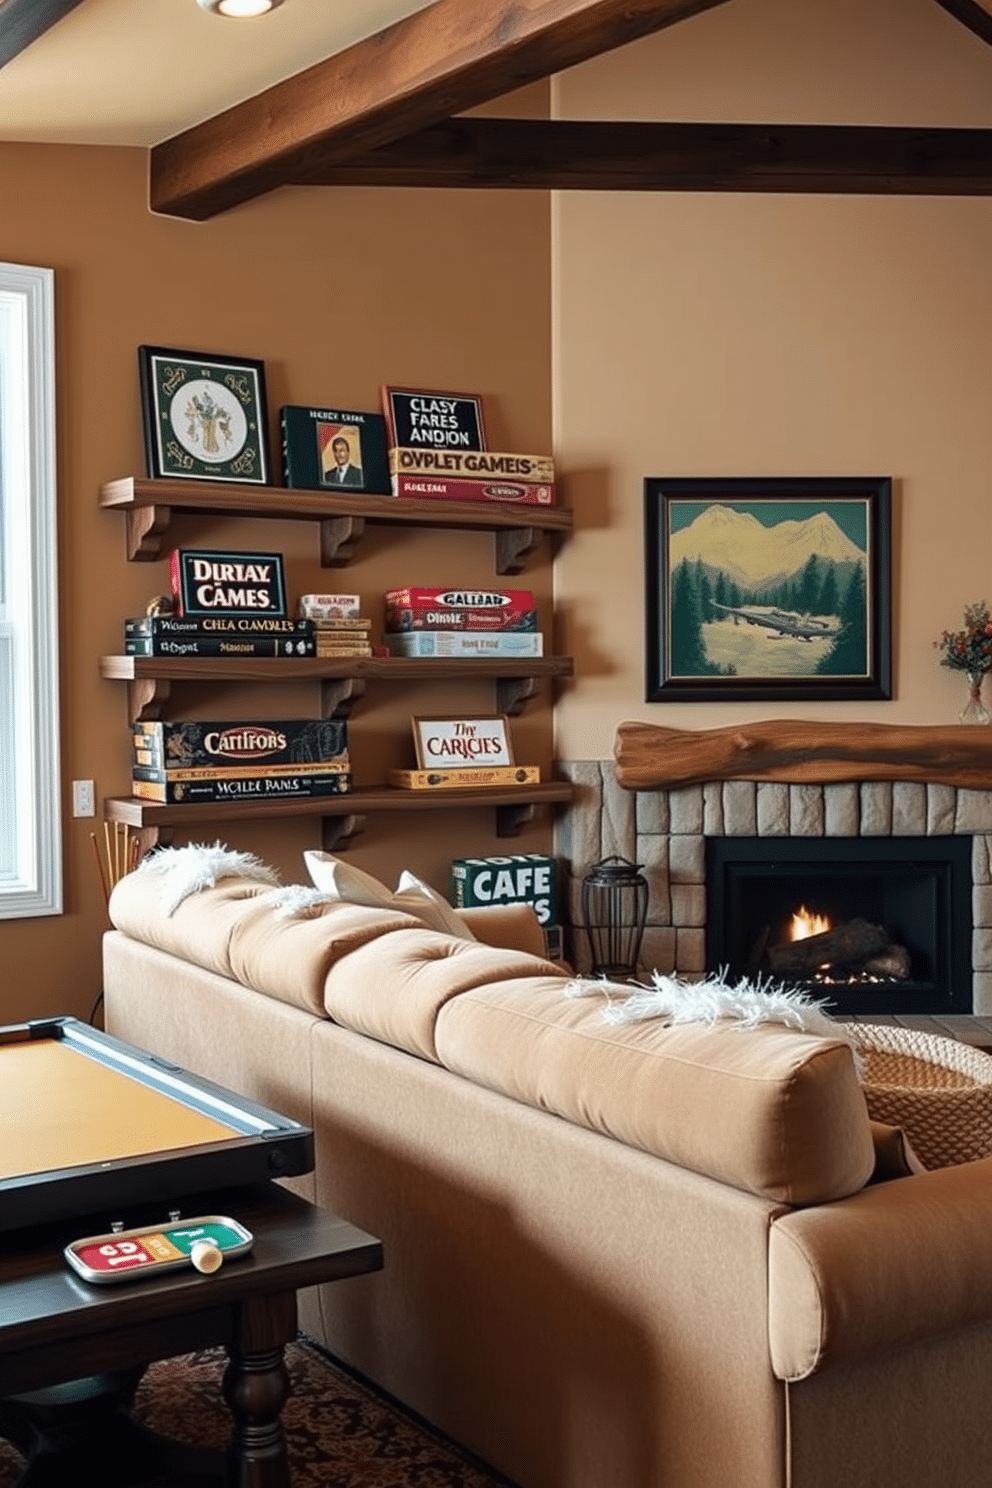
{"x":869,"y":925}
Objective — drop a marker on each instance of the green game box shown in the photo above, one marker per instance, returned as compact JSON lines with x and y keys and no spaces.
{"x":521,"y":878}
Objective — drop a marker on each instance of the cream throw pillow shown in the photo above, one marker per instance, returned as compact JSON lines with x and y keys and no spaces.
{"x":343,"y":881}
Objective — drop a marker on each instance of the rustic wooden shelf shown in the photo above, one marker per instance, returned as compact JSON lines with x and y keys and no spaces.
{"x":342,"y":816}
{"x":342,"y":679}
{"x":148,"y":505}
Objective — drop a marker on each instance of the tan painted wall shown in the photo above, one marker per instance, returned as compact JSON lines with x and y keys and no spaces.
{"x":774,"y":335}
{"x":337,"y":292}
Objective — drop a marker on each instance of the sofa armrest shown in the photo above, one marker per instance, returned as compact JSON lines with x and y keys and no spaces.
{"x":885,"y":1268}
{"x":514,"y":927}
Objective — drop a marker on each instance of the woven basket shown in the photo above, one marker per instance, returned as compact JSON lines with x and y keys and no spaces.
{"x":937,"y":1090}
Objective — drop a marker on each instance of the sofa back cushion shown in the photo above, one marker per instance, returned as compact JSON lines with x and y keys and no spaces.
{"x":394,"y":990}
{"x":236,"y":930}
{"x":767,"y":1109}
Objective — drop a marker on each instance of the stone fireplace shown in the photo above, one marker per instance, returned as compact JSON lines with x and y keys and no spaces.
{"x":818,"y":795}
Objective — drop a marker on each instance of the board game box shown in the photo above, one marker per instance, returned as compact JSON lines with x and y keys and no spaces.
{"x":238,"y":787}
{"x":417,"y":487}
{"x":464,"y":643}
{"x":520,"y":878}
{"x":208,"y":582}
{"x":287,"y":741}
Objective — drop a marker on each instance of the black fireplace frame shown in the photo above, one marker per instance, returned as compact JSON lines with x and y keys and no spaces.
{"x":733,"y":863}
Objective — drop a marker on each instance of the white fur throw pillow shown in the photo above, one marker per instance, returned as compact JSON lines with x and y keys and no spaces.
{"x":746,"y":1002}
{"x":188,"y":869}
{"x":343,"y":881}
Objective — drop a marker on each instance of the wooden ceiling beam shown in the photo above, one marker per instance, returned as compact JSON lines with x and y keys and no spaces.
{"x":971,"y":14}
{"x":23,"y":21}
{"x":452,"y":56}
{"x":583,"y":156}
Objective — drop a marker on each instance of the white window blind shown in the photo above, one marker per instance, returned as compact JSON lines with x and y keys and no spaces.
{"x":30,"y":791}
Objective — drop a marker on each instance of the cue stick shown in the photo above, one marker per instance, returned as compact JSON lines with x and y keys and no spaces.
{"x":99,"y":869}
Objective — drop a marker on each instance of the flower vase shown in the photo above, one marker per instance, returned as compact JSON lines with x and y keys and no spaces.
{"x":975,"y":711}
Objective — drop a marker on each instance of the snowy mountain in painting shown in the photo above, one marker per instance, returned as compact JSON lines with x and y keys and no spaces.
{"x":758,"y":557}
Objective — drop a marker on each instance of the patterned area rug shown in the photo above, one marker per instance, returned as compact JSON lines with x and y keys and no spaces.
{"x":339,"y":1429}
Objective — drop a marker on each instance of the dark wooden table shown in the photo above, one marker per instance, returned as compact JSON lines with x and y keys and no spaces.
{"x":55,"y":1327}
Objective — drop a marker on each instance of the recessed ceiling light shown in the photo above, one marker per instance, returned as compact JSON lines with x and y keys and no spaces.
{"x":239,"y":8}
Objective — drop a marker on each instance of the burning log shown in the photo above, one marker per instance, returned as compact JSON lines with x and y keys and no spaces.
{"x":892,"y":965}
{"x":851,"y":944}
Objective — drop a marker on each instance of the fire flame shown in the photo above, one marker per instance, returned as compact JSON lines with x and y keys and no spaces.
{"x":805,"y":923}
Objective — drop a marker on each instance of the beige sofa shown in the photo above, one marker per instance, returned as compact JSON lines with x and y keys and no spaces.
{"x":616,"y":1256}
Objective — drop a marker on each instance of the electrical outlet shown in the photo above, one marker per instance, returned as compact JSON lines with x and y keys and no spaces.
{"x":83,"y":798}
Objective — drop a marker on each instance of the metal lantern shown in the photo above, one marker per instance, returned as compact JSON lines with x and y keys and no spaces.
{"x":614,"y":909}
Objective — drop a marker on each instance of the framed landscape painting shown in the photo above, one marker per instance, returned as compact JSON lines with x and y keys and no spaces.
{"x":761,"y":589}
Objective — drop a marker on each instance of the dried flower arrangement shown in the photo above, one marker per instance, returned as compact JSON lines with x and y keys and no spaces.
{"x":969,"y":649}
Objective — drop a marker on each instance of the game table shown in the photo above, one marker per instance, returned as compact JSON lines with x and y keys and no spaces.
{"x":72,"y":1353}
{"x":96,"y":1134}
{"x":90,"y":1124}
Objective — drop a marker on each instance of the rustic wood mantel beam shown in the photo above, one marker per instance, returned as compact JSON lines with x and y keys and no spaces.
{"x":452,"y":56}
{"x":23,"y":21}
{"x":606,"y":156}
{"x":649,"y":757}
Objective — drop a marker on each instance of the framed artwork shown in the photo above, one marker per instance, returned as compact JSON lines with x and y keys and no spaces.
{"x":763,"y":589}
{"x":205,"y":416}
{"x":332,"y":449}
{"x":417,"y":418}
{"x":453,"y":743}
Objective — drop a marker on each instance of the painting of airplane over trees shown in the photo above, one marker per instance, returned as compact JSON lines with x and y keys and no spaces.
{"x":767,"y":588}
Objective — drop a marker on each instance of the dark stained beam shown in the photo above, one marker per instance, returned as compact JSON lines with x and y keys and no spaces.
{"x":972,"y":15}
{"x":582,"y":156}
{"x":23,"y":21}
{"x":452,"y":56}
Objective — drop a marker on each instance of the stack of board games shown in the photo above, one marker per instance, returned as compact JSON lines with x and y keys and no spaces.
{"x":237,"y":760}
{"x":437,"y":621}
{"x":437,"y":452}
{"x":520,"y":878}
{"x":245,"y":635}
{"x":338,"y":625}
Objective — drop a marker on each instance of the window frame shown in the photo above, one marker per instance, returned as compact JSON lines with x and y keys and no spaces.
{"x":30,"y":775}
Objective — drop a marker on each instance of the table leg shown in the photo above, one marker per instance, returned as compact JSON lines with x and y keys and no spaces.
{"x":256,"y":1387}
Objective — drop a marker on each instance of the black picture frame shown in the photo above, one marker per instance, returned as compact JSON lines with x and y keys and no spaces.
{"x":421,"y":418}
{"x":310,"y":437}
{"x":205,"y":416}
{"x":741,"y":608}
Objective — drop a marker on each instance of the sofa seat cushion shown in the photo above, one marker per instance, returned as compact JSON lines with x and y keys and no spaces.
{"x":394,"y":990}
{"x":770,"y":1110}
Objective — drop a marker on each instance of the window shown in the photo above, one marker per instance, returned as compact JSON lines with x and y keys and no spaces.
{"x":30,"y":804}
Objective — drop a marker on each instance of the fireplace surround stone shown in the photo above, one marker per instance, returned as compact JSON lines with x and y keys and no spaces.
{"x":664,"y":829}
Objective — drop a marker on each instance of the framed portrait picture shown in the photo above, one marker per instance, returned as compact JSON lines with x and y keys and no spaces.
{"x":453,"y":743}
{"x":762,"y":589}
{"x":332,"y":449}
{"x":205,"y":416}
